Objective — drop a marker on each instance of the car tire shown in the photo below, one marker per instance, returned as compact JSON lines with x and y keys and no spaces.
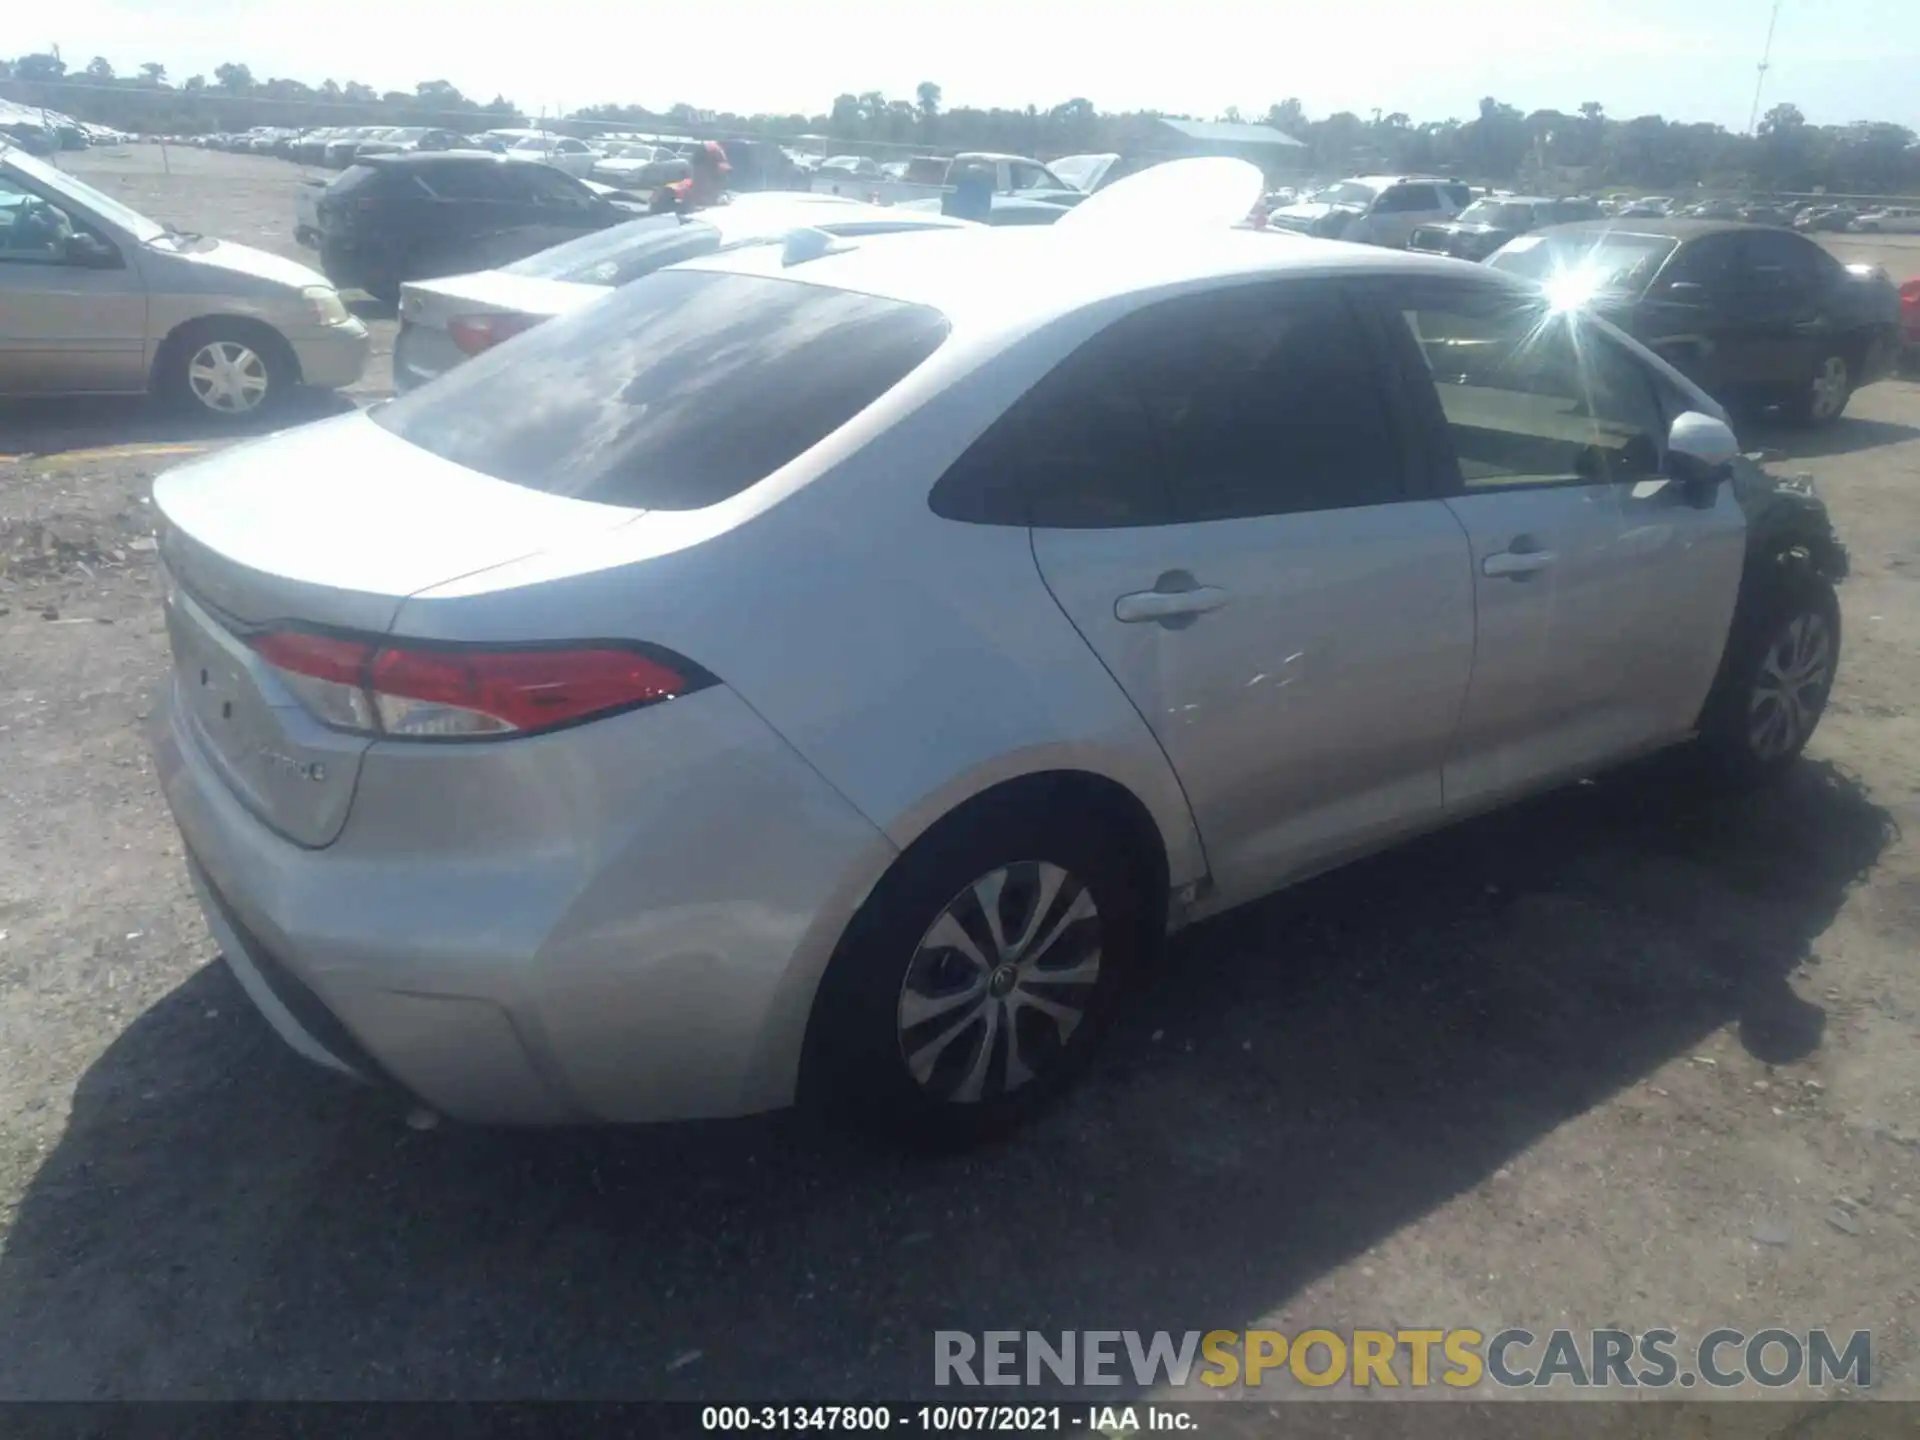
{"x":1783,"y":653}
{"x":1822,"y":397}
{"x":225,"y":370}
{"x":935,"y":1026}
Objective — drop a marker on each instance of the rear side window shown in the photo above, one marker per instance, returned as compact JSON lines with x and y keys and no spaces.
{"x":453,"y":180}
{"x":357,"y":177}
{"x":675,"y":393}
{"x":622,"y":253}
{"x":1226,"y":405}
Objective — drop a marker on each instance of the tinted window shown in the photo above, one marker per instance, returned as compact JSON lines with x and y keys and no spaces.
{"x":1408,"y":198}
{"x":1711,"y":262}
{"x":1776,"y":260}
{"x":1602,"y":259}
{"x":622,"y":253}
{"x":1227,"y":405}
{"x":674,"y":393}
{"x":1531,"y":396}
{"x":454,"y":181}
{"x":548,"y":186}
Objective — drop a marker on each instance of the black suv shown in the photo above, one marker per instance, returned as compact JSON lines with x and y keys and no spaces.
{"x":393,"y":218}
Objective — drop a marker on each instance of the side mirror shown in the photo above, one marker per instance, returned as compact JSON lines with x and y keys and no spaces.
{"x":1700,"y":454}
{"x":91,"y":253}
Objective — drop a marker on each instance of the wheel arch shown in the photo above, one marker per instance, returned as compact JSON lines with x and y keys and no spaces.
{"x":248,"y":327}
{"x":1106,"y":802}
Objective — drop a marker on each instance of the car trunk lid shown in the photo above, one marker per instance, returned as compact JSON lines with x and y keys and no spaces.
{"x":331,"y":527}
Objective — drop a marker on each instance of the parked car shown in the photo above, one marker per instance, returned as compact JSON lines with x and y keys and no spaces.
{"x":967,"y":612}
{"x":445,"y":322}
{"x":99,"y":299}
{"x":563,"y":152}
{"x":1755,"y":316}
{"x":855,"y":167}
{"x":1910,"y":318}
{"x":1765,"y":215}
{"x":931,"y":177}
{"x":642,"y":168}
{"x":393,"y":218}
{"x":1374,"y":209}
{"x":343,"y":147}
{"x":1893,"y":220}
{"x":1825,"y":218}
{"x":1485,"y":225}
{"x":405,"y":139}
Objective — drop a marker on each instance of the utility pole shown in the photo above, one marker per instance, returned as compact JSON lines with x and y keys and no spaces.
{"x":1766,"y":57}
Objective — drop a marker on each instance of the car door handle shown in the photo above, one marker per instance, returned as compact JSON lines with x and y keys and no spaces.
{"x":1167,"y":604}
{"x":1517,"y":564}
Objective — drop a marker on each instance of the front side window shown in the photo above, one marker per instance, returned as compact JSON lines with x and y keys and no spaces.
{"x":31,"y":230}
{"x":1227,"y":405}
{"x":674,"y":393}
{"x":1532,"y":395}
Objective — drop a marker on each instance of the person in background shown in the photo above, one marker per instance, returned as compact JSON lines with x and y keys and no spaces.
{"x":705,"y":184}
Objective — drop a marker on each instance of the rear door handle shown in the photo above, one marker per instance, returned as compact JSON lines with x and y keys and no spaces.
{"x":1517,"y":564}
{"x":1167,"y":604}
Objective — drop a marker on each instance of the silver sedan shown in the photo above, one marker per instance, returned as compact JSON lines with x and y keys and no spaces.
{"x":832,"y":669}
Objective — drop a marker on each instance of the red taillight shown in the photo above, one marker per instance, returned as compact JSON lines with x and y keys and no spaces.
{"x":469,"y":692}
{"x":475,"y":333}
{"x":524,"y":690}
{"x":319,"y":657}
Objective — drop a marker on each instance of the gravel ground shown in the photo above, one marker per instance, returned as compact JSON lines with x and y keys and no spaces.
{"x":1624,"y":1056}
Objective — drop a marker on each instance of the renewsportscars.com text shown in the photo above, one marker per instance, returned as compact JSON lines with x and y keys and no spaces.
{"x":1413,"y":1359}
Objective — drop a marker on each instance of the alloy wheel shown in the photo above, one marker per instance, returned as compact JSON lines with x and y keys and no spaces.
{"x":1830,"y":388}
{"x":228,"y":377}
{"x":1791,"y":688}
{"x":1000,"y":982}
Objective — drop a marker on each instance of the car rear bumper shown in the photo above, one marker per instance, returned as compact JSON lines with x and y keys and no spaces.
{"x":625,"y":921}
{"x":333,"y":357}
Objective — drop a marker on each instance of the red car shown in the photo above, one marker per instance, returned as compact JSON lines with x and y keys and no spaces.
{"x":1910,"y":313}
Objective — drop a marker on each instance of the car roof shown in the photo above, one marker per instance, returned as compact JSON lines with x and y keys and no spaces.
{"x":1689,"y":228}
{"x":415,"y":158}
{"x":990,"y":277}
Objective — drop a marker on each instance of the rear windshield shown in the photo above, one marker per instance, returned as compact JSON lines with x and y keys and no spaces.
{"x":674,"y":393}
{"x":623,"y":252}
{"x":1606,"y":261}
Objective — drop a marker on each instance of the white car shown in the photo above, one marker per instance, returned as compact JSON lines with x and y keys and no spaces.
{"x":563,"y":152}
{"x":1374,"y":209}
{"x":1895,"y":220}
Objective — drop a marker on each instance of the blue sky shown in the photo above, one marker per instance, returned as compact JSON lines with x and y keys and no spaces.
{"x":1839,"y":60}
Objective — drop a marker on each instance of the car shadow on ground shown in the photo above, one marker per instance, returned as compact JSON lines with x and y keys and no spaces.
{"x":1299,"y":1080}
{"x":1848,"y":435}
{"x":61,"y":426}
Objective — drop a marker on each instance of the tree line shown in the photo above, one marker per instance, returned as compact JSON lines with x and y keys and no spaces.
{"x":1585,"y":148}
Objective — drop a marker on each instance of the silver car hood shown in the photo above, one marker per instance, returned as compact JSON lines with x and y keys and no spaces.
{"x":338,"y":522}
{"x":236,"y":259}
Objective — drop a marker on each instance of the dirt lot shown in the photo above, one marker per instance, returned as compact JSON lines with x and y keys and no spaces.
{"x":1624,"y":1057}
